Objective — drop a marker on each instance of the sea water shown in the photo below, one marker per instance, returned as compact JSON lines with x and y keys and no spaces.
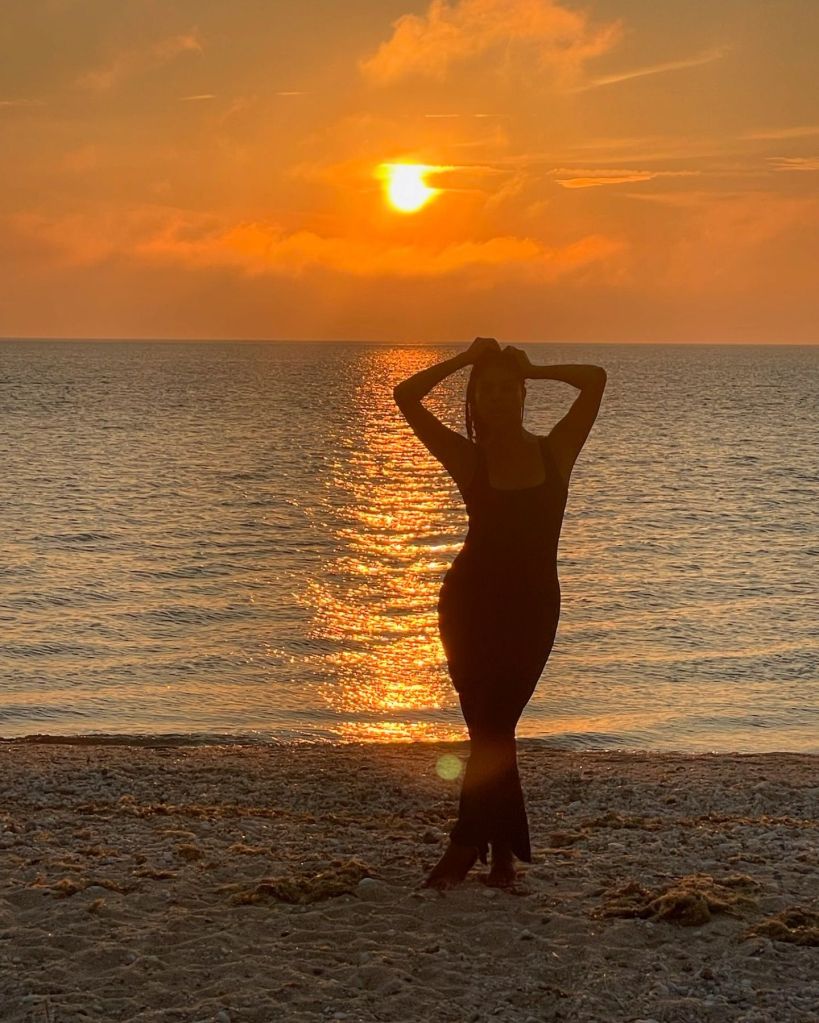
{"x":244,"y":542}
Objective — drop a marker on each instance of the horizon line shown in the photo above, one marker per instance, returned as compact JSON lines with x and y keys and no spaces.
{"x":395,"y":343}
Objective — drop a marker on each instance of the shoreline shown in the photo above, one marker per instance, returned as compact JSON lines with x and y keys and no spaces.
{"x":243,"y":883}
{"x":198,"y":740}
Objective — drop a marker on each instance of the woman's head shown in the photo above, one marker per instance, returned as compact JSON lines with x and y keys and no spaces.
{"x":495,"y":394}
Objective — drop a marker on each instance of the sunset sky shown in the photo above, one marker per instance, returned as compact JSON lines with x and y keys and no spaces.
{"x":610,"y":170}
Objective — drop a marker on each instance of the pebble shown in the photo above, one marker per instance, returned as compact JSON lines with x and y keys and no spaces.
{"x":372,"y":888}
{"x":97,"y":891}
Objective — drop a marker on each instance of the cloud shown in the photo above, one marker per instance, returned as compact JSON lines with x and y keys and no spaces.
{"x":637,"y":149}
{"x":655,"y":69}
{"x":466,"y":115}
{"x":81,"y":159}
{"x":21,"y":102}
{"x":794,"y":163}
{"x":729,"y":242}
{"x":201,"y":96}
{"x":430,"y":44}
{"x":153,"y":235}
{"x":172,"y":46}
{"x":139,"y":59}
{"x":585,"y":178}
{"x":797,"y":132}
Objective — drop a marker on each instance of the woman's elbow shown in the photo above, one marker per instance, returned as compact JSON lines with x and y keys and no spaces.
{"x":401,"y":392}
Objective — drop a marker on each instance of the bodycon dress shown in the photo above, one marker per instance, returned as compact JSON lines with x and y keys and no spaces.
{"x":498,"y":612}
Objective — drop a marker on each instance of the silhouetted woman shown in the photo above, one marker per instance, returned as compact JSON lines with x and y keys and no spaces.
{"x":499,"y":602}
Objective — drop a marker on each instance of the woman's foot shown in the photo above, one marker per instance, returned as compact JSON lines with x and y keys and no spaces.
{"x":452,"y":867}
{"x":502,"y":874}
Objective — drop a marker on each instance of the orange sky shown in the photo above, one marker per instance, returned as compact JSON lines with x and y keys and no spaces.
{"x":609,"y":171}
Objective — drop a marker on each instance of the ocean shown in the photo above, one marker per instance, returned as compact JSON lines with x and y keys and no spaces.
{"x":244,"y":542}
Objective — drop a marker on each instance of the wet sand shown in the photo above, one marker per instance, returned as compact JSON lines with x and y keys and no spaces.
{"x":246,"y":884}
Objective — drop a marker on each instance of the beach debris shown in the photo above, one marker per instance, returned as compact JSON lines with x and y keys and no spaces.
{"x":189,"y":851}
{"x":612,"y":819}
{"x":243,"y":849}
{"x":128,"y":805}
{"x":794,"y":924}
{"x":68,"y":886}
{"x":689,"y":901}
{"x":558,"y":839}
{"x":154,"y":873}
{"x":340,"y":878}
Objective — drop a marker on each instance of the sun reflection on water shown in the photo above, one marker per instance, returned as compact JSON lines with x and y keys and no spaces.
{"x":377,"y":599}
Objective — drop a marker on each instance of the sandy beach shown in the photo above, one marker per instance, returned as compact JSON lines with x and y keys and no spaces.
{"x":243,"y":884}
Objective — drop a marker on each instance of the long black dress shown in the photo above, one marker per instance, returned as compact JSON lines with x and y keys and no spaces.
{"x":498,"y":612}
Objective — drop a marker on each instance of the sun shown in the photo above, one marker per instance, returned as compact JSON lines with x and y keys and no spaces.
{"x":406,"y":189}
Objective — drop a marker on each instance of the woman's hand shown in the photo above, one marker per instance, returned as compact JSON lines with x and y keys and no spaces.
{"x":522,"y":359}
{"x":480,"y":345}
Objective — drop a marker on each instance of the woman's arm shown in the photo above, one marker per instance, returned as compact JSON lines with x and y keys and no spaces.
{"x":451,"y":449}
{"x":569,"y":435}
{"x":421,"y":383}
{"x":415,"y":387}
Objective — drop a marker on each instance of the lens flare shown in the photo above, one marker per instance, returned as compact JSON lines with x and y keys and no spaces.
{"x":448,"y":767}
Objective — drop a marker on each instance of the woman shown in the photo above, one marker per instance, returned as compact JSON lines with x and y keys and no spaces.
{"x":499,"y":602}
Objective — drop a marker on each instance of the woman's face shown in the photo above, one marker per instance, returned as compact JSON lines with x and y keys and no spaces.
{"x":499,"y":397}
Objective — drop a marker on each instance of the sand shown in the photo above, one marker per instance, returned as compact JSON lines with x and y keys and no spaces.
{"x":242,"y":883}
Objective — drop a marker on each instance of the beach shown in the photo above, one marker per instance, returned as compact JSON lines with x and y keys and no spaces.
{"x":249,"y":883}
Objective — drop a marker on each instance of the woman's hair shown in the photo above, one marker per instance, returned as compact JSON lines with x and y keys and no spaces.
{"x":489,"y":359}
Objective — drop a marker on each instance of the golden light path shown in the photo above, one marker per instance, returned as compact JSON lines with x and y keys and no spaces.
{"x":374,"y":602}
{"x":406,"y":189}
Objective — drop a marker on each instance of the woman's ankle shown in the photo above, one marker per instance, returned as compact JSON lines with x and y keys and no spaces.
{"x":502,"y":852}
